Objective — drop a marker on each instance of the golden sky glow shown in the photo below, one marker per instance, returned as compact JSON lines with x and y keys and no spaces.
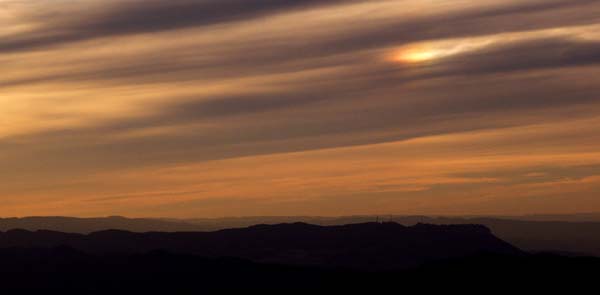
{"x":193,"y":108}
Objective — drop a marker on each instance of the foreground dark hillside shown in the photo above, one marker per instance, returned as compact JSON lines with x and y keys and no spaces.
{"x":368,"y":246}
{"x":64,"y":270}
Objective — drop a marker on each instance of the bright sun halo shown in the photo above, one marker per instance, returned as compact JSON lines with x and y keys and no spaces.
{"x":418,"y":55}
{"x":423,"y":53}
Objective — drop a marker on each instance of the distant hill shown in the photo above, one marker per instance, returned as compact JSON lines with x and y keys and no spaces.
{"x":580,"y":217}
{"x":368,"y":246}
{"x":88,"y":225}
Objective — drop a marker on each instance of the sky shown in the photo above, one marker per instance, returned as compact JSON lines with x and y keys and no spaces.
{"x":208,"y":108}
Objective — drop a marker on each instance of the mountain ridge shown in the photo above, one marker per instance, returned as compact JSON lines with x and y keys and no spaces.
{"x":575,"y":237}
{"x":373,"y":246}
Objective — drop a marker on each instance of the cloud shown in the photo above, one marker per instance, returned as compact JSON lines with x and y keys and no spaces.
{"x":93,"y":90}
{"x":65,"y":22}
{"x":258,"y":49}
{"x":530,"y":55}
{"x":363,"y":102}
{"x":382,"y":82}
{"x":70,"y":22}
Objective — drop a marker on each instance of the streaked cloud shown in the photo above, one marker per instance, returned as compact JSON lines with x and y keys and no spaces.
{"x":184,"y":107}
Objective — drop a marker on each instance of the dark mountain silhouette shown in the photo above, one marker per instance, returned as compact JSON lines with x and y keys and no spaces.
{"x":576,"y":238}
{"x":538,"y":236}
{"x":284,"y":259}
{"x":368,"y":246}
{"x":535,"y":233}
